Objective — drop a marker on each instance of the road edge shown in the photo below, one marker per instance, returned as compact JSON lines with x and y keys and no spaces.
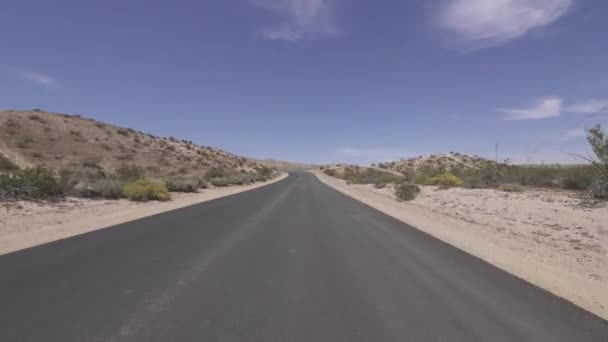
{"x":66,"y":229}
{"x":542,"y":276}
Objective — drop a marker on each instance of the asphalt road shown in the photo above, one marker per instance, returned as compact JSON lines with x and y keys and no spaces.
{"x":293,"y":261}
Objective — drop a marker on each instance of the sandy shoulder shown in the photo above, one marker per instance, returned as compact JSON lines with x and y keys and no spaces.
{"x":545,"y":237}
{"x":27,"y":224}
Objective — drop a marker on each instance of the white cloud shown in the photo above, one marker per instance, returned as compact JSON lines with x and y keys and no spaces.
{"x":300,"y":19}
{"x":33,"y":76}
{"x":493,"y":22}
{"x":547,"y":107}
{"x":589,"y":107}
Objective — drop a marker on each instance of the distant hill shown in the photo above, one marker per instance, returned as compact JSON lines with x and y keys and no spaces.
{"x":285,"y":165}
{"x":61,"y":141}
{"x":437,"y":162}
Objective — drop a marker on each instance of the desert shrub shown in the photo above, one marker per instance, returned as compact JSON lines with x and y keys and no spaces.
{"x":421,"y":180}
{"x":36,"y":183}
{"x":263,"y":173}
{"x":110,"y":188}
{"x":510,"y":188}
{"x":146,"y":189}
{"x":220,"y":181}
{"x":37,"y":118}
{"x":25,"y":143}
{"x":202,"y":184}
{"x":215,"y":172}
{"x":90,"y":163}
{"x":67,"y":181}
{"x":330,"y":172}
{"x":406,"y":191}
{"x":182,"y":185}
{"x":379,"y":185}
{"x":580,"y":181}
{"x":354,"y":175}
{"x":446,"y":179}
{"x":130,"y":172}
{"x":122,"y":132}
{"x":598,"y":139}
{"x":7,"y":165}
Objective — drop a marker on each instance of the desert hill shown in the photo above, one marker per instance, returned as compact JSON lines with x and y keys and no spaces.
{"x":445,"y":162}
{"x":61,"y":141}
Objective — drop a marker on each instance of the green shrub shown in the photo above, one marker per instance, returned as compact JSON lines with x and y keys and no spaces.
{"x":445,"y":179}
{"x":406,"y":191}
{"x":36,"y":183}
{"x":7,"y":165}
{"x":146,"y":189}
{"x":182,"y":185}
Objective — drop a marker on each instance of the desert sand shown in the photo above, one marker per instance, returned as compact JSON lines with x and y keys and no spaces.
{"x":25,"y":224}
{"x":546,"y":237}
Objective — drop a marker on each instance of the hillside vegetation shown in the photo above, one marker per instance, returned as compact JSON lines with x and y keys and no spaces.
{"x":456,"y":169}
{"x":74,"y":155}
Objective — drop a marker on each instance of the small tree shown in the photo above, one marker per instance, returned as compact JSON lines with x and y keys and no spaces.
{"x":598,"y":140}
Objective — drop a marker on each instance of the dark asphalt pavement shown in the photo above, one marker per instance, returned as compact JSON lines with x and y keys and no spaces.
{"x":292,"y":261}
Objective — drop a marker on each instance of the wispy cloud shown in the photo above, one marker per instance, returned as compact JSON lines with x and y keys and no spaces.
{"x":589,"y":107}
{"x":494,"y":22}
{"x":34,"y":76}
{"x":300,"y":19}
{"x":547,"y":107}
{"x":552,"y":106}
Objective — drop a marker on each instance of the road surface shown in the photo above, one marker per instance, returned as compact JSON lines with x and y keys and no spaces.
{"x":293,"y":261}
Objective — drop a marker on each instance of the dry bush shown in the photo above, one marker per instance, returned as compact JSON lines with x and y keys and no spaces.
{"x":406,"y":191}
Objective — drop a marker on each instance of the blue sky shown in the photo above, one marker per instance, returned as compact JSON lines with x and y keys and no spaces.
{"x":320,"y":80}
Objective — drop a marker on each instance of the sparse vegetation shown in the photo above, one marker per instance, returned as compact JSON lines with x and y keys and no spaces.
{"x":183,"y":185}
{"x":102,"y":156}
{"x":34,"y":184}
